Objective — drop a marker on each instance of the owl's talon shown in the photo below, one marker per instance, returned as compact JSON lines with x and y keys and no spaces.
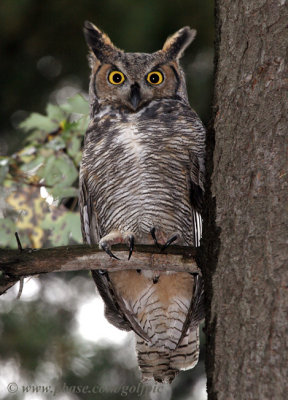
{"x":108,"y":251}
{"x":131,"y":245}
{"x":160,"y":246}
{"x":111,"y":254}
{"x":152,"y":232}
{"x":169,"y":241}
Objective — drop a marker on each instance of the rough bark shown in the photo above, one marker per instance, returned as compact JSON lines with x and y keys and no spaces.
{"x":247,"y":281}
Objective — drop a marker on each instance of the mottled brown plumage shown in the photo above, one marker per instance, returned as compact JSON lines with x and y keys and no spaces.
{"x":141,"y":180}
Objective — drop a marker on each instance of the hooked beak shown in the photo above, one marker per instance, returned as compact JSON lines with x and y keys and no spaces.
{"x":135,"y":95}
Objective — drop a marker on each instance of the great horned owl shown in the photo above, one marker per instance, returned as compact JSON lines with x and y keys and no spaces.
{"x":141,"y":181}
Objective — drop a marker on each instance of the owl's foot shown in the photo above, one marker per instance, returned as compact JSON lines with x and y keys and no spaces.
{"x":116,"y":237}
{"x":165,"y":245}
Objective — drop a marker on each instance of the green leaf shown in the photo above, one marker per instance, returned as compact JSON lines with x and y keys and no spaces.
{"x":74,"y":145}
{"x":33,"y":166}
{"x":56,"y":144}
{"x":55,"y":113}
{"x":64,"y":227}
{"x":76,"y":104}
{"x":35,"y":137}
{"x":83,"y":123}
{"x":39,"y":122}
{"x":60,"y":192}
{"x":27,"y":151}
{"x":59,"y":169}
{"x":7,"y":229}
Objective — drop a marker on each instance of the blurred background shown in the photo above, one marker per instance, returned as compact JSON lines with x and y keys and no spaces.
{"x":55,"y":336}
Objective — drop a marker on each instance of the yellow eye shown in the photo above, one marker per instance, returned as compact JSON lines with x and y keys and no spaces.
{"x":155,"y":77}
{"x":116,"y":77}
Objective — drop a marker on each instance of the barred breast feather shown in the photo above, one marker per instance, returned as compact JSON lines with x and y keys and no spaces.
{"x":142,"y":170}
{"x":145,"y":169}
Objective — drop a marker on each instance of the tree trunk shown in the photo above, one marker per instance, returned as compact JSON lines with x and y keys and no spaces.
{"x":245,"y":234}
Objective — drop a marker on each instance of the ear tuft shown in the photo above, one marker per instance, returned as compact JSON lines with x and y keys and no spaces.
{"x":98,"y":42}
{"x":176,"y":44}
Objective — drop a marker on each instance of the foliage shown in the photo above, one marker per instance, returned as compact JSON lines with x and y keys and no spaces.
{"x":45,"y":38}
{"x":38,"y":338}
{"x":40,"y":180}
{"x":43,"y":56}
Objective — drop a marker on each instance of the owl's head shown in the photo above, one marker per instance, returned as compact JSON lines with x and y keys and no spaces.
{"x":131,"y":80}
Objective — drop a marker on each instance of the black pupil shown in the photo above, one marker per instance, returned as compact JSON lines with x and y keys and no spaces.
{"x":117,"y":78}
{"x":154,"y":78}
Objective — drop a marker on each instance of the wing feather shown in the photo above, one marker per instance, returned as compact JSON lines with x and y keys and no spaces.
{"x":196,"y":183}
{"x":115,"y":310}
{"x":196,"y":310}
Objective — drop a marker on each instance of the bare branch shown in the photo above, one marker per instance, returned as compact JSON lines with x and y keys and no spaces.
{"x":15,"y":265}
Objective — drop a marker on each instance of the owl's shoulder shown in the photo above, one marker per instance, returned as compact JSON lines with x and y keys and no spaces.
{"x":173,"y":114}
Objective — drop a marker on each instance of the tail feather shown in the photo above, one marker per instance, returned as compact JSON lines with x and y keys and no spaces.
{"x":187,"y":353}
{"x":163,"y":366}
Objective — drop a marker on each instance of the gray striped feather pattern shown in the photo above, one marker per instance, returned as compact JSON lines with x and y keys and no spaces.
{"x":142,"y":170}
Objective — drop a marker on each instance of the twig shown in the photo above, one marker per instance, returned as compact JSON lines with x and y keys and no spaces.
{"x":21,"y":286}
{"x":20,"y":248}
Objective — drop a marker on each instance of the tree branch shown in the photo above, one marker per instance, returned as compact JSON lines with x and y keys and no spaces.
{"x":15,"y":264}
